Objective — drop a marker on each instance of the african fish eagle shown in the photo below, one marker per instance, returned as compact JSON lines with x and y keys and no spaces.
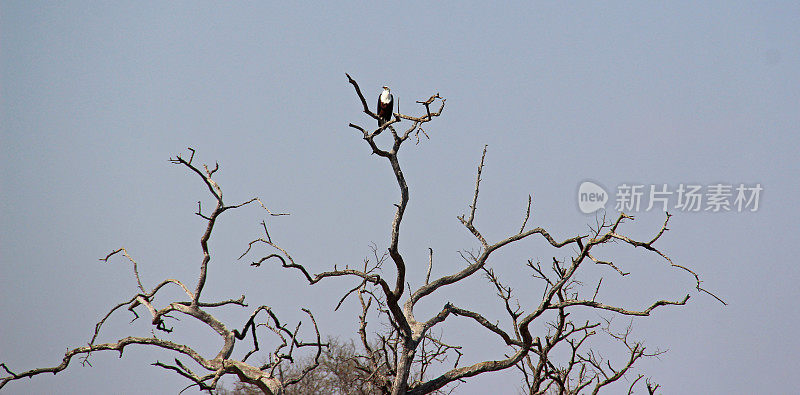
{"x":385,"y":104}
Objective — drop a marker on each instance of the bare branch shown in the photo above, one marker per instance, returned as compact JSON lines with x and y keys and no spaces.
{"x":430,"y":266}
{"x":527,"y":215}
{"x":649,"y":246}
{"x":592,"y":303}
{"x":474,"y":204}
{"x":135,"y":265}
{"x":361,"y":97}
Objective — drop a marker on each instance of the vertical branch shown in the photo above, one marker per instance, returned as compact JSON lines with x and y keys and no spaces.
{"x":430,"y":266}
{"x":206,"y":254}
{"x":477,"y":186}
{"x":527,"y":215}
{"x":394,"y":252}
{"x":409,"y":339}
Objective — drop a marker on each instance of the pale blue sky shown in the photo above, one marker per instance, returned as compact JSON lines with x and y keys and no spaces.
{"x":96,"y":96}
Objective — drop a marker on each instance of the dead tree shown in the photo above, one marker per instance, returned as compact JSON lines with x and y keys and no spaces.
{"x":408,"y":355}
{"x":266,"y":376}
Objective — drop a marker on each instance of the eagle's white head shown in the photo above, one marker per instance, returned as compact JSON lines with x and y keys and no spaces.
{"x":386,"y":94}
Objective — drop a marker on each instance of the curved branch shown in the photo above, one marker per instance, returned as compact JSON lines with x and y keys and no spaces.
{"x":620,"y":310}
{"x":118,"y":346}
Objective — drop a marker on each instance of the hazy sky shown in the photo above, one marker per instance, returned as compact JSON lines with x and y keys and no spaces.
{"x":96,"y":96}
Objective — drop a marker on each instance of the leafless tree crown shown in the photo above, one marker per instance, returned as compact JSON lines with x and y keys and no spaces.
{"x":409,"y":355}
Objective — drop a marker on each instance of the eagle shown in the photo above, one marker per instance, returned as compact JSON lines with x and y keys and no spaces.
{"x":385,"y":106}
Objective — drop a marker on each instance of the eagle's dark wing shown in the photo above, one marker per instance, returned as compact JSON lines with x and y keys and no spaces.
{"x":385,"y":110}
